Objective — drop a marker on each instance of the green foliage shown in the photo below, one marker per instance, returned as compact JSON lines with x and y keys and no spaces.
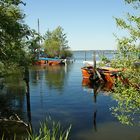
{"x":13,"y":36}
{"x":128,"y":46}
{"x":55,"y":44}
{"x":127,"y":110}
{"x":103,"y":60}
{"x":12,"y":30}
{"x":34,"y":45}
{"x":50,"y":130}
{"x":11,"y":33}
{"x":9,"y":69}
{"x":128,"y":96}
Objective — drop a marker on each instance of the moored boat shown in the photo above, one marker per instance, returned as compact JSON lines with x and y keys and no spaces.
{"x":87,"y":71}
{"x":107,"y":74}
{"x":50,"y":61}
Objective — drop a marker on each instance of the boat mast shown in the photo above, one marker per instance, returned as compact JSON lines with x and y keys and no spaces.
{"x":38,"y":27}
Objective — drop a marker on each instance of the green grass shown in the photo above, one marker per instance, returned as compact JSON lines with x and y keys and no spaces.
{"x":49,"y":130}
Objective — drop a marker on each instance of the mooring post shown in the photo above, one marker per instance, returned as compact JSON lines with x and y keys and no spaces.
{"x":26,"y":78}
{"x":94,"y":59}
{"x":85,"y":56}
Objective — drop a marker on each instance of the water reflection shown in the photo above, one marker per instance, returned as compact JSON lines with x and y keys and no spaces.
{"x":65,"y":100}
{"x":126,"y":110}
{"x":96,"y":87}
{"x":95,"y":120}
{"x":53,"y":76}
{"x":12,"y":101}
{"x":12,"y":96}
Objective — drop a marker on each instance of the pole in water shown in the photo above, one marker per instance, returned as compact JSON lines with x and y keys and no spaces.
{"x":94,"y":59}
{"x":94,"y":65}
{"x":38,"y":25}
{"x":85,"y":56}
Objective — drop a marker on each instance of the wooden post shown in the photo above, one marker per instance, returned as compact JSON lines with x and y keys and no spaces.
{"x":94,"y":66}
{"x":94,"y":59}
{"x":26,"y":78}
{"x":85,"y":55}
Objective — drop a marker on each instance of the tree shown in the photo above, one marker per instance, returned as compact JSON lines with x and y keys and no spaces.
{"x":56,"y":44}
{"x":14,"y":34}
{"x":129,"y":46}
{"x":12,"y":30}
{"x":128,"y":96}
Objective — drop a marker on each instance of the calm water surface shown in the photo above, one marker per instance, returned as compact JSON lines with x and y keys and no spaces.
{"x":57,"y":91}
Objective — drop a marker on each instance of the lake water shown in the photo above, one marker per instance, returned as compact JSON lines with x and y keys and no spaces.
{"x":58,"y":92}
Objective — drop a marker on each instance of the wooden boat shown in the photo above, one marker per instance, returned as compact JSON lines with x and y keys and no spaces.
{"x":107,"y":74}
{"x":50,"y":61}
{"x":40,"y":62}
{"x":87,"y":71}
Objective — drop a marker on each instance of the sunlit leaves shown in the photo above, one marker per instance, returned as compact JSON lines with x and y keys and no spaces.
{"x":12,"y":29}
{"x":127,"y":96}
{"x":13,"y":35}
{"x":56,"y":44}
{"x":134,"y":3}
{"x":128,"y":107}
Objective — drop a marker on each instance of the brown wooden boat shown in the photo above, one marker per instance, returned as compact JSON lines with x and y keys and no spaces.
{"x":107,"y":74}
{"x":40,"y":62}
{"x":49,"y":62}
{"x":87,"y":71}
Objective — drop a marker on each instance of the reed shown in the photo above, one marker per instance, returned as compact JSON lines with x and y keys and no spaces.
{"x":50,"y":130}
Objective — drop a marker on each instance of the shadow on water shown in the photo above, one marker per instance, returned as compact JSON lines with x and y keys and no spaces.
{"x":15,"y":103}
{"x":13,"y":107}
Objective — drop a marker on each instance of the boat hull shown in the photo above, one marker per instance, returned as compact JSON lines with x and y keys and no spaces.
{"x":107,"y":74}
{"x":87,"y":72}
{"x":50,"y":63}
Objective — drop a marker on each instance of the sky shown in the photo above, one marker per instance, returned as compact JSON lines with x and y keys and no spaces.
{"x":88,"y":24}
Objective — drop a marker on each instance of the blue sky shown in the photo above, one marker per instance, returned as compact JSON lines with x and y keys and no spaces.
{"x":89,"y":24}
